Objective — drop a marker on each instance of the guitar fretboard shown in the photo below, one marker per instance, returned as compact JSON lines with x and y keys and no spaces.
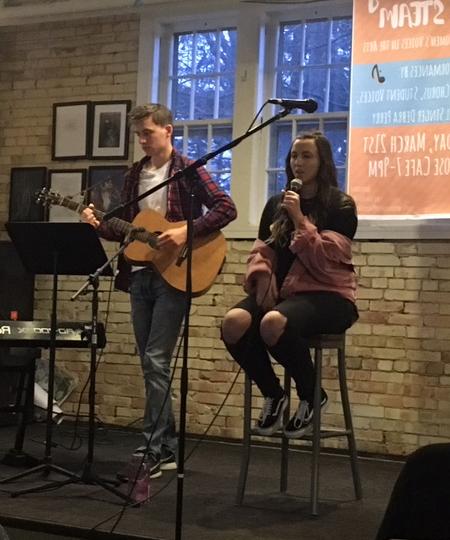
{"x":119,"y":225}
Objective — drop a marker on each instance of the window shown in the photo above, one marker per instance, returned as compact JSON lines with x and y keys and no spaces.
{"x":313,"y":61}
{"x":201,"y":89}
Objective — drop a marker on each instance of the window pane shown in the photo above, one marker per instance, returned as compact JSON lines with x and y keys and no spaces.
{"x":198,"y":142}
{"x":226,"y":97}
{"x":223,"y":179}
{"x":277,"y":182}
{"x":341,"y":41}
{"x":227,"y":51}
{"x":339,"y":89}
{"x":307,"y":126}
{"x":289,"y":51}
{"x":221,"y":136}
{"x":178,"y":140}
{"x":288,"y":84}
{"x":183,"y":52}
{"x":316,"y":42}
{"x":281,"y":139}
{"x":204,"y":98}
{"x":337,"y":135}
{"x":315,"y":85}
{"x":181,"y":99}
{"x":206,"y":52}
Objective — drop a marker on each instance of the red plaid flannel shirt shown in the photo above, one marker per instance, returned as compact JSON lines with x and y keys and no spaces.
{"x":220,"y":208}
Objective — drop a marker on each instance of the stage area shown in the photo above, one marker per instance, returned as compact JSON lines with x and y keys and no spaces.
{"x":209,"y":510}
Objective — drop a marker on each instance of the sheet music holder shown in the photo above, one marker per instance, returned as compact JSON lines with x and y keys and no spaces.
{"x":77,"y":246}
{"x":58,"y":249}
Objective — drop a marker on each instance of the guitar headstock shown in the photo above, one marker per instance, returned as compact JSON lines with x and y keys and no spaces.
{"x":47,"y":197}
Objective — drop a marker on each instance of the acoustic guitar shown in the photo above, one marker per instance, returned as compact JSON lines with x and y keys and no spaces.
{"x":208,"y":253}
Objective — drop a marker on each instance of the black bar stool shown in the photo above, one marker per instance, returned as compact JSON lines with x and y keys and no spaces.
{"x":318,"y":343}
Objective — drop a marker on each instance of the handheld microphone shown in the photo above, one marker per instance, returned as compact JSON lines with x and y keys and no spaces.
{"x":296,"y":185}
{"x":307,"y":105}
{"x":282,"y":216}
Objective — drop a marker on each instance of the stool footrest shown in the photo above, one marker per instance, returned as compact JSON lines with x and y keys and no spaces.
{"x":328,"y":434}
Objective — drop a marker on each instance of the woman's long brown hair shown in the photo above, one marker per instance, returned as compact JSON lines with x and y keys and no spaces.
{"x":326,"y":180}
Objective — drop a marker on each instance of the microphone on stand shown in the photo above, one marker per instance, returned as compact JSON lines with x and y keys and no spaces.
{"x":307,"y":105}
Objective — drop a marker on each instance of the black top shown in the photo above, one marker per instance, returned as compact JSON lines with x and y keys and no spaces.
{"x":340,"y":217}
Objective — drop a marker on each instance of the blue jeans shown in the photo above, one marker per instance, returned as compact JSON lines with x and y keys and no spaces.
{"x":157,"y":312}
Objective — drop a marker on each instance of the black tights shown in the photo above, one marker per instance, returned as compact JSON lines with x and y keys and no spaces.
{"x":307,"y":314}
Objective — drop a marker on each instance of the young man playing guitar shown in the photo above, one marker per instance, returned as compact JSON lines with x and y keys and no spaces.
{"x":157,"y":309}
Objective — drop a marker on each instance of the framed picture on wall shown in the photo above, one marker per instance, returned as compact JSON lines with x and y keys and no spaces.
{"x":69,"y":183}
{"x":71,"y":133}
{"x":26,"y":183}
{"x":105,"y":186}
{"x":110,"y":130}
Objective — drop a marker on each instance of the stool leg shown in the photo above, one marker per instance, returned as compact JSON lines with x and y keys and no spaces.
{"x":284,"y":440}
{"x":246,"y":442}
{"x":349,"y":424}
{"x":316,"y":433}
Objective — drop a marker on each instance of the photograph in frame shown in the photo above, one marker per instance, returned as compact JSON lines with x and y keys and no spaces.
{"x":105,"y":186}
{"x":68,"y":183}
{"x":26,"y":183}
{"x":110,"y":130}
{"x":71,"y":133}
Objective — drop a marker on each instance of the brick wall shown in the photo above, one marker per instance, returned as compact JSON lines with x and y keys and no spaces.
{"x":398,"y":359}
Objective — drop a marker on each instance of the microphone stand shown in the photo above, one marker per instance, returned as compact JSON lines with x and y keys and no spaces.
{"x":88,"y":476}
{"x":189,"y":172}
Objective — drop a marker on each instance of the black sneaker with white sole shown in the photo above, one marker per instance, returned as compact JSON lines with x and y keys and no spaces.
{"x":302,"y":422}
{"x":168,"y":462}
{"x":154,"y":467}
{"x":271,"y":417}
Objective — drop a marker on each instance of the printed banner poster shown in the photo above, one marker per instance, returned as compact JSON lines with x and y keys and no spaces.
{"x":399,"y":148}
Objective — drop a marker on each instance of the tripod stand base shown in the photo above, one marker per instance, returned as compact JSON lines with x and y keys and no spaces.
{"x":15,"y":458}
{"x":46,"y":469}
{"x":91,"y":478}
{"x":87,"y":477}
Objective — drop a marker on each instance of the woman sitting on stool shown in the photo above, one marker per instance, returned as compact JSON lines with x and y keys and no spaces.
{"x":300,"y":282}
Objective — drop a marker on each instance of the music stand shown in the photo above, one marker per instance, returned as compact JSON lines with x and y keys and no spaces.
{"x":56,"y":249}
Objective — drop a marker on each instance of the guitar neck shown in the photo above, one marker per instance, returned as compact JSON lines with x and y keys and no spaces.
{"x":119,"y":225}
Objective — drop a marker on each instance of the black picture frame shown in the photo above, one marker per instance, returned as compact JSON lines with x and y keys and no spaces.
{"x":69,"y":183}
{"x":105,"y":184}
{"x":71,"y":130}
{"x":25,"y":185}
{"x":110,"y":133}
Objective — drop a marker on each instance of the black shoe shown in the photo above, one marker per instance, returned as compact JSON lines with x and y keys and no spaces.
{"x":154,"y":467}
{"x":168,"y":462}
{"x":140,"y":451}
{"x":271,"y":417}
{"x":302,"y":422}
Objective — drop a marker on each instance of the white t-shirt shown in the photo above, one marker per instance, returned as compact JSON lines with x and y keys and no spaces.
{"x":151,"y":177}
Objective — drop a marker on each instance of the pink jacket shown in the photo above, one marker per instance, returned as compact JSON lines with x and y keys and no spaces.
{"x":323,"y":263}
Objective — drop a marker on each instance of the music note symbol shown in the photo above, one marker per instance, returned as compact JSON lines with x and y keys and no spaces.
{"x":376,"y":72}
